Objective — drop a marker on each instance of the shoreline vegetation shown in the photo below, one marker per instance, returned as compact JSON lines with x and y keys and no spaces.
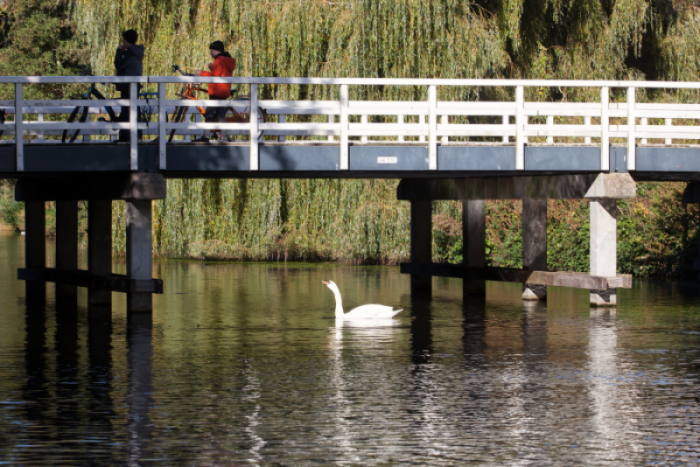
{"x":360,"y":221}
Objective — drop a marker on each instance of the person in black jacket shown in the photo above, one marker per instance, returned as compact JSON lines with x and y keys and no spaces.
{"x":128,"y":61}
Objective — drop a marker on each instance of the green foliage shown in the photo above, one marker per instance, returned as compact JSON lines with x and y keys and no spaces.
{"x":38,"y":38}
{"x":11,"y":211}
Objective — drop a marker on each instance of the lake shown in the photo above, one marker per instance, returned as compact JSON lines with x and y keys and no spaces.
{"x":242,"y":365}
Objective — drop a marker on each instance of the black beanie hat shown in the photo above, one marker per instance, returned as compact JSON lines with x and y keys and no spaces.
{"x":130,"y":36}
{"x":217,"y":45}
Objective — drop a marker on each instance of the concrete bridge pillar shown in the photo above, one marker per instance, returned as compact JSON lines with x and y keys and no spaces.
{"x":66,"y":245}
{"x":421,"y":245}
{"x":35,"y":247}
{"x":534,"y":244}
{"x":99,"y":248}
{"x":139,"y":252}
{"x":603,"y":212}
{"x":474,"y":243}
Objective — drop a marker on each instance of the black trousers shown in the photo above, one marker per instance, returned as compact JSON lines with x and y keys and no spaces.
{"x":125,"y":135}
{"x":215,"y":114}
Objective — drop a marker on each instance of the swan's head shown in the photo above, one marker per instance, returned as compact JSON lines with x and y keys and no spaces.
{"x":331,"y":285}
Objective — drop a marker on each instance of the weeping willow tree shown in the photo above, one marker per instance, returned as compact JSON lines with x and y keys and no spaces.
{"x":360,"y":220}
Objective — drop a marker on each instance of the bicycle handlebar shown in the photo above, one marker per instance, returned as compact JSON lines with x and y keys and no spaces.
{"x":178,"y":69}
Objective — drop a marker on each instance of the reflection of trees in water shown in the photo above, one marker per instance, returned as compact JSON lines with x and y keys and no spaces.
{"x":139,"y":401}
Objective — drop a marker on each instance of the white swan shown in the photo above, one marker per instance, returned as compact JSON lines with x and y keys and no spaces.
{"x":361,"y":312}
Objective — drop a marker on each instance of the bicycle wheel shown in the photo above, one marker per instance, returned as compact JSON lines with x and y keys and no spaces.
{"x":235,"y":117}
{"x":110,"y":111}
{"x":177,"y":116}
{"x":71,"y":119}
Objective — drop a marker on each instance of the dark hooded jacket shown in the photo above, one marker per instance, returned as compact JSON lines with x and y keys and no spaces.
{"x":129,"y":62}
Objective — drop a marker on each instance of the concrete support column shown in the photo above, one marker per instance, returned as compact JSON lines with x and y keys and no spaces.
{"x":534,"y":244}
{"x":474,"y":242}
{"x":99,"y":248}
{"x":35,"y":247}
{"x":421,"y":244}
{"x":139,"y":252}
{"x":66,"y":245}
{"x":603,"y":214}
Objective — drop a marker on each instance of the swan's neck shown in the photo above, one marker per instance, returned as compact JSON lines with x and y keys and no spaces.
{"x":338,"y":304}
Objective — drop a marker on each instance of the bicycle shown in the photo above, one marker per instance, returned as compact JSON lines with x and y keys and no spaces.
{"x":190,"y":90}
{"x":92,"y":91}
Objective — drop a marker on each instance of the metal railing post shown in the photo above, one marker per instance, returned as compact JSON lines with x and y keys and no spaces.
{"x":668,"y":122}
{"x":605,"y":128}
{"x":253,"y":126}
{"x":134,"y":125}
{"x":631,"y":127}
{"x":40,"y":119}
{"x":19,"y":128}
{"x":281,"y":119}
{"x":400,"y":121}
{"x":432,"y":127}
{"x":331,"y":119}
{"x":506,"y":121}
{"x":519,"y":128}
{"x":550,"y":126}
{"x":445,"y":139}
{"x":587,"y":122}
{"x":344,"y":149}
{"x":162,"y":130}
{"x":363,"y":120}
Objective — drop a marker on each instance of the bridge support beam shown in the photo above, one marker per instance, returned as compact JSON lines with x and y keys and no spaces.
{"x":603,"y":215}
{"x":534,"y":222}
{"x":474,"y":243}
{"x":99,"y":249}
{"x":601,"y":189}
{"x":691,"y":195}
{"x":139,"y":256}
{"x":421,"y":245}
{"x":35,"y":248}
{"x":66,"y":246}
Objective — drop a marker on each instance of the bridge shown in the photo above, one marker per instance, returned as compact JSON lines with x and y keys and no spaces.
{"x":468,"y":150}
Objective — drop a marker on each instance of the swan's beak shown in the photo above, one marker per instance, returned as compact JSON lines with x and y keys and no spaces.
{"x":325,"y":282}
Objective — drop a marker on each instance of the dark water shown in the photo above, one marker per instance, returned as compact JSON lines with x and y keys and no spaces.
{"x":242,"y":365}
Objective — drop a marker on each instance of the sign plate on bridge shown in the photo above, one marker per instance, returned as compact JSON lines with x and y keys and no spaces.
{"x":387,"y":160}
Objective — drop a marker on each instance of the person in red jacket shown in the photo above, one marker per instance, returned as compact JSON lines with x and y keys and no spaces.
{"x":222,"y":66}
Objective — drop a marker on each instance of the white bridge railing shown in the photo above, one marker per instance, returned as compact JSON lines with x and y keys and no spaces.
{"x":433,"y":128}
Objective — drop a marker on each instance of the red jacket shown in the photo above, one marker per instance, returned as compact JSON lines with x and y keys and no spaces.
{"x":223,"y":67}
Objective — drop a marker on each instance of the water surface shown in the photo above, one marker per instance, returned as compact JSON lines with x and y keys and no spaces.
{"x":242,"y":364}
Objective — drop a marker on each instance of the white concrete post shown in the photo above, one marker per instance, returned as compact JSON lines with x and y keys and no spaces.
{"x":253,"y":126}
{"x":604,"y":128}
{"x":139,"y":251}
{"x":19,"y":128}
{"x":162,"y":129}
{"x":603,"y":215}
{"x":133,"y":126}
{"x":506,"y":121}
{"x":519,"y":128}
{"x":644,"y":123}
{"x":344,"y":149}
{"x":432,"y":127}
{"x":669,"y":122}
{"x":631,"y":127}
{"x":400,"y":121}
{"x":550,"y":126}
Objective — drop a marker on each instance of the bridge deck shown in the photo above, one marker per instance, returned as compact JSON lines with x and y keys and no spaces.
{"x":322,"y":160}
